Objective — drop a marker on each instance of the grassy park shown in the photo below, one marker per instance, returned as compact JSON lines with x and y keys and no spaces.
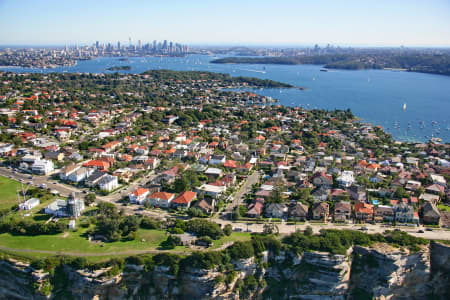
{"x":8,"y":195}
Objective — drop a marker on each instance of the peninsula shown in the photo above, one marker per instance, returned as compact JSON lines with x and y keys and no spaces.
{"x":411,"y":62}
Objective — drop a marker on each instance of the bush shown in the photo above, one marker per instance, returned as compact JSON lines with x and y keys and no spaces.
{"x":205,"y":240}
{"x":241,"y":250}
{"x":228,"y":229}
{"x":204,"y":228}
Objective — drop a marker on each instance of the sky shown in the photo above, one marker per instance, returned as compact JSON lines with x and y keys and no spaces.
{"x":228,"y":22}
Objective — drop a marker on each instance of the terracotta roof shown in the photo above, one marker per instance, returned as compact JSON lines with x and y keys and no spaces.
{"x":161,"y":195}
{"x":140,"y":192}
{"x":185,"y":197}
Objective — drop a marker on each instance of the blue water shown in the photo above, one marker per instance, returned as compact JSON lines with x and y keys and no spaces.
{"x":376,"y":96}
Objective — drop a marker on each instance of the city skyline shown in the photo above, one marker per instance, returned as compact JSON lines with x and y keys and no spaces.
{"x":287,"y":22}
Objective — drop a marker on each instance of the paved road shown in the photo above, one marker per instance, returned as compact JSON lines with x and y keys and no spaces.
{"x":245,"y":188}
{"x":436,"y":234}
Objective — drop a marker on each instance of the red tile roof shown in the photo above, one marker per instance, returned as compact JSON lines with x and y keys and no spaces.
{"x":185,"y":197}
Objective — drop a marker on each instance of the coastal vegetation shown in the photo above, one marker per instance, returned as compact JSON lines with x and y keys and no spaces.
{"x":119,"y":68}
{"x":424,"y":63}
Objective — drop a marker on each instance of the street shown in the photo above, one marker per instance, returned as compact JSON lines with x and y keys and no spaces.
{"x":115,"y":197}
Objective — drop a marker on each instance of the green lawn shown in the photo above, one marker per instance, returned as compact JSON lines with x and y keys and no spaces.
{"x":234,"y":237}
{"x":443,"y":207}
{"x":75,"y":243}
{"x":8,"y":195}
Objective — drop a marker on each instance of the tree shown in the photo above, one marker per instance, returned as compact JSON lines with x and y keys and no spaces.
{"x":228,"y":229}
{"x":270,"y":228}
{"x":181,"y":184}
{"x":308,"y":231}
{"x":90,"y":198}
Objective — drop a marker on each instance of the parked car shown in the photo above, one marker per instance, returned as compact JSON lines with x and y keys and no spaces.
{"x":43,"y":186}
{"x":364,"y":228}
{"x":429,"y":229}
{"x":420,"y":231}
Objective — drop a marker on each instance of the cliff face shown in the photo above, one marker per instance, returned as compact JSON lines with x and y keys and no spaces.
{"x":386,"y":272}
{"x":381,"y":271}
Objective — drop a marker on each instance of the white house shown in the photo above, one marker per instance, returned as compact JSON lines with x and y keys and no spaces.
{"x":67,"y":171}
{"x":346,"y":179}
{"x":139,"y":196}
{"x":161,"y":199}
{"x":217,"y":160}
{"x":42,"y":167}
{"x":80,"y":174}
{"x":108,"y":183}
{"x":211,"y":190}
{"x":29,"y":204}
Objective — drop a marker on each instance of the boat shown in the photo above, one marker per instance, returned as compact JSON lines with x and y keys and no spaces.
{"x":404,"y":106}
{"x":323,"y":70}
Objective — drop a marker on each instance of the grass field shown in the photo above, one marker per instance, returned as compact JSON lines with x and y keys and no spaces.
{"x":443,"y":207}
{"x":234,"y":237}
{"x":74,"y":243}
{"x":8,"y":188}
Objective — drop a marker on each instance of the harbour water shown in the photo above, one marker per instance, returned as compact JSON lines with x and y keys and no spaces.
{"x":376,"y":96}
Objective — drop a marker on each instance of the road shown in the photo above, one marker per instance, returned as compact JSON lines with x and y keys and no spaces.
{"x":246,"y":187}
{"x":436,"y":234}
{"x":64,"y":190}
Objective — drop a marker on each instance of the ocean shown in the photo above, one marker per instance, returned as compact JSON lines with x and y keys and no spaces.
{"x":410,"y":106}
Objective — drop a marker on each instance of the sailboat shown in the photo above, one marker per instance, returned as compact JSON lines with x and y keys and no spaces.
{"x":404,"y":106}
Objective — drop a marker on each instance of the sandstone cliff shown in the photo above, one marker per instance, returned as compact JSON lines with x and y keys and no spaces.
{"x":380,"y":271}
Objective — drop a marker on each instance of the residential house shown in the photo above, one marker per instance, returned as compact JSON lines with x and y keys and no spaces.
{"x":322,"y":179}
{"x":430,"y":213}
{"x":94,"y":178}
{"x":255,"y":209}
{"x":108,"y":183}
{"x":404,"y":213}
{"x":213,"y":173}
{"x":54,"y":155}
{"x":211,"y":190}
{"x":217,"y":160}
{"x":184,"y":200}
{"x":205,"y":205}
{"x":139,"y":196}
{"x":298,"y":211}
{"x":161,"y":199}
{"x":357,"y":193}
{"x":98,"y":164}
{"x":346,"y":179}
{"x":320,"y":211}
{"x":363,"y":211}
{"x":80,"y":174}
{"x":65,"y":173}
{"x":276,"y":210}
{"x":342,"y":211}
{"x":384,"y":213}
{"x":42,"y":167}
{"x":321,"y":194}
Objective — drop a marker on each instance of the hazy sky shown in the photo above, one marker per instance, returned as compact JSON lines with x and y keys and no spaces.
{"x":343,"y":22}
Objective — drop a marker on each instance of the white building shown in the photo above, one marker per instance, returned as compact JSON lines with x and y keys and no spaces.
{"x":29,"y":204}
{"x":346,"y":179}
{"x":211,"y":190}
{"x":108,"y":183}
{"x":80,"y":174}
{"x":139,"y":196}
{"x":42,"y":167}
